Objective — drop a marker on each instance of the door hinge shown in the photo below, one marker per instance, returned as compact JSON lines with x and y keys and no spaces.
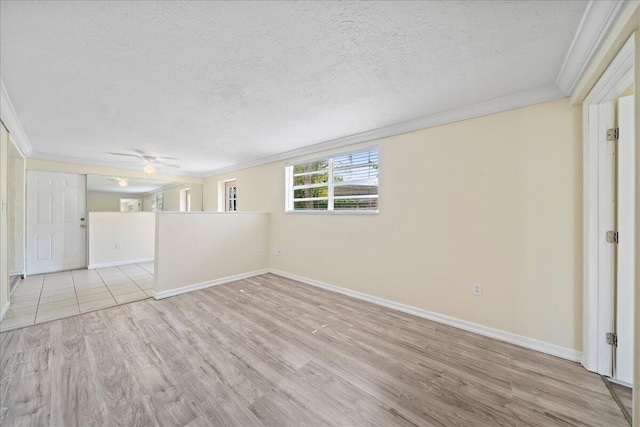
{"x":612,"y":237}
{"x":612,"y":339}
{"x":613,"y":134}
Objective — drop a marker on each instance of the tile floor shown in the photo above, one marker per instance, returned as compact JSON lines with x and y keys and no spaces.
{"x":52,"y":296}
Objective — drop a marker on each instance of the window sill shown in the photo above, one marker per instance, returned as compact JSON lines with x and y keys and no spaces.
{"x":332,"y":212}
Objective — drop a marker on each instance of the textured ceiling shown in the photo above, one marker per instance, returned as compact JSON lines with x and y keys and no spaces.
{"x":220,"y":83}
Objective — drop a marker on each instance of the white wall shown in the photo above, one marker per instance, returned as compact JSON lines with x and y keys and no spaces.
{"x":193,"y":248}
{"x":495,"y":199}
{"x":133,"y":231}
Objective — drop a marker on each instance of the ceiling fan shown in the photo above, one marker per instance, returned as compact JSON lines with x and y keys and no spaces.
{"x":149,"y":163}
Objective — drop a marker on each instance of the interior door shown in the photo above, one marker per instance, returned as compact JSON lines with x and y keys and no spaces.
{"x":606,"y":119}
{"x":625,"y":257}
{"x":56,"y":212}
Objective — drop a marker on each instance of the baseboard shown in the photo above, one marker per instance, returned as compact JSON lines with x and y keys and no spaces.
{"x":15,"y":273}
{"x":4,"y":310}
{"x":533,"y":344}
{"x":116,"y":263}
{"x":203,"y":285}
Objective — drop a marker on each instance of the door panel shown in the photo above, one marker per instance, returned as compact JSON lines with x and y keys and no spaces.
{"x":606,"y":222}
{"x":56,"y":205}
{"x":625,"y":258}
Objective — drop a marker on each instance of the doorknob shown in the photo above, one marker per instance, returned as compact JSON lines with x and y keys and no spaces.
{"x":82,"y":226}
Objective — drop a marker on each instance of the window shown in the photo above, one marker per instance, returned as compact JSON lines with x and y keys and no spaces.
{"x":231,"y":196}
{"x":224,"y":197}
{"x":340,"y":183}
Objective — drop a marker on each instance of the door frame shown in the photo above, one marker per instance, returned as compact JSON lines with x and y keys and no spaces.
{"x":598,"y":283}
{"x":22,"y":273}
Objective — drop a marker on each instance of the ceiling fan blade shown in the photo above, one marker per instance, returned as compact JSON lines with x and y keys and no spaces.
{"x":167,"y":164}
{"x":167,"y":158}
{"x":128,"y":155}
{"x":129,"y":163}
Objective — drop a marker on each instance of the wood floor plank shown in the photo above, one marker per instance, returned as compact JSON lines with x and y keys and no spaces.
{"x":219,"y":405}
{"x":340,"y":402}
{"x":269,"y":351}
{"x":116,"y":389}
{"x":75,"y":401}
{"x":280,"y":408}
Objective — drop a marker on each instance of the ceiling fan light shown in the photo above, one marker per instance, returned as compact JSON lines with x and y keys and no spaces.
{"x":150,"y":169}
{"x":123,"y":183}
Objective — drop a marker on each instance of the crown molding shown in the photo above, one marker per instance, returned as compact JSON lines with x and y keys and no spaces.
{"x":509,"y":102}
{"x":12,"y":122}
{"x":55,"y":158}
{"x":596,"y":22}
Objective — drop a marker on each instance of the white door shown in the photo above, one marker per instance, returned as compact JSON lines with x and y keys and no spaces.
{"x":625,"y":258}
{"x":605,"y":120}
{"x":56,"y":212}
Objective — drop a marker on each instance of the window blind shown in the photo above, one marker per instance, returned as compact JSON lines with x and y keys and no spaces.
{"x":343,"y":182}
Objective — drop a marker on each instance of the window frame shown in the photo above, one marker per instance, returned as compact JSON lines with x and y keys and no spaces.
{"x":331,"y":197}
{"x":228,"y":200}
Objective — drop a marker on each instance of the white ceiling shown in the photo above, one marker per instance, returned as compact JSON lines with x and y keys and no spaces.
{"x":107,"y":184}
{"x":222,"y":83}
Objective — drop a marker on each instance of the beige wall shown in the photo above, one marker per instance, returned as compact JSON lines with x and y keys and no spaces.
{"x":134,"y":232}
{"x":4,"y":228}
{"x":147,"y":203}
{"x":193,"y":248}
{"x":495,"y":200}
{"x":100,"y":202}
{"x":172,"y":198}
{"x":15,"y":209}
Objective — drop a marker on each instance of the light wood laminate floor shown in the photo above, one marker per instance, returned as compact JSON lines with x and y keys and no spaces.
{"x":271,"y":351}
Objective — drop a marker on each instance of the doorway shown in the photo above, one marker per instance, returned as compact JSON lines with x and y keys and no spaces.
{"x":56,"y":222}
{"x":609,"y":224}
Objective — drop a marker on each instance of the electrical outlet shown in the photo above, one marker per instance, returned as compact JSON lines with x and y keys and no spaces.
{"x":476,"y":288}
{"x":117,"y":245}
{"x":274,"y":252}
